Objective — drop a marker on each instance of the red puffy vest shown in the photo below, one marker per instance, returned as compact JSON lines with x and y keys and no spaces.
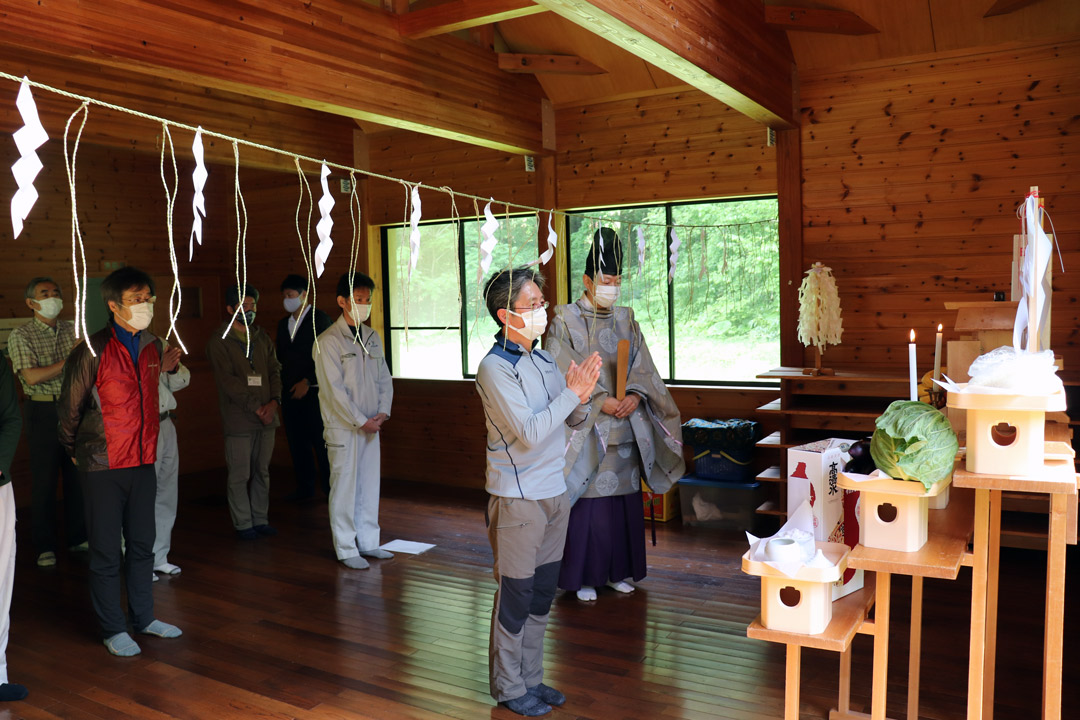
{"x":129,"y":403}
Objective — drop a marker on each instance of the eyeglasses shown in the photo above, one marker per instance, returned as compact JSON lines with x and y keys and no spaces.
{"x":534,"y":306}
{"x":139,"y":301}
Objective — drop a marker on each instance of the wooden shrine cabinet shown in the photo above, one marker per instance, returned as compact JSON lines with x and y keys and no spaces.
{"x":812,"y":407}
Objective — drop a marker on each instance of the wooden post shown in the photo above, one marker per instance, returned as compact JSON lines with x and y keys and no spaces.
{"x":1055,"y":608}
{"x":977,"y":650}
{"x":882,"y":602}
{"x":791,"y":682}
{"x":915,"y":648}
{"x":993,"y":562}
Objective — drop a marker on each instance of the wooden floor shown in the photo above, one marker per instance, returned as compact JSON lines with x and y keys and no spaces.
{"x":276,"y":628}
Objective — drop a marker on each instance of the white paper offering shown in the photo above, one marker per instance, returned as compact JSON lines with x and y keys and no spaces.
{"x":800,"y":528}
{"x":408,"y":547}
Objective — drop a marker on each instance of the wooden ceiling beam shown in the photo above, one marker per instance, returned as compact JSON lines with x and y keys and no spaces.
{"x":462,"y":15}
{"x":837,"y":22}
{"x":724,"y":49}
{"x":335,"y":56}
{"x":1004,"y":7}
{"x":554,"y":64}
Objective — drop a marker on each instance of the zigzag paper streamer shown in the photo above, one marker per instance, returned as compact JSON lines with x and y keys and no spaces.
{"x":552,"y":239}
{"x":198,"y":201}
{"x":640,"y":250}
{"x":28,"y":139}
{"x":487,"y":245}
{"x":1038,"y":250}
{"x":414,"y":228}
{"x":326,"y":202}
{"x":674,"y":248}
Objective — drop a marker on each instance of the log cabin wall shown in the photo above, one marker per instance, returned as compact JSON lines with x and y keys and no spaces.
{"x":912,"y":175}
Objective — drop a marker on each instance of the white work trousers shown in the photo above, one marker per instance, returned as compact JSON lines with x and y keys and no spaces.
{"x":167,"y":469}
{"x":7,"y":570}
{"x":354,"y":490}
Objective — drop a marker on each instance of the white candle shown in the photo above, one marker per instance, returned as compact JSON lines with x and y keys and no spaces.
{"x":937,"y":354}
{"x":911,"y":368}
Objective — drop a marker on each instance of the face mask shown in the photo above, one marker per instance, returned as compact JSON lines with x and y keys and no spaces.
{"x":141,"y":315}
{"x":535,"y":323}
{"x":293,"y":304}
{"x":50,"y":307}
{"x":606,"y":295}
{"x":249,"y":317}
{"x":360,"y":313}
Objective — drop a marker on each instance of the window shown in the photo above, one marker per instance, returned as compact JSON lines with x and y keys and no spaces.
{"x":721,"y":314}
{"x":448,"y":326}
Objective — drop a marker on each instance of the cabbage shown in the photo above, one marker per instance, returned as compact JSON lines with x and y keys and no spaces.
{"x":914,"y":441}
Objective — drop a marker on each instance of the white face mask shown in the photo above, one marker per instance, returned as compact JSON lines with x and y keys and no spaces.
{"x":360,"y":313}
{"x":606,"y":295}
{"x":535,"y":323}
{"x":141,"y":315}
{"x":293,"y":304}
{"x":50,"y":307}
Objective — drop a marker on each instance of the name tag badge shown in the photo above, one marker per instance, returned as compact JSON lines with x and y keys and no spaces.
{"x":254,"y":380}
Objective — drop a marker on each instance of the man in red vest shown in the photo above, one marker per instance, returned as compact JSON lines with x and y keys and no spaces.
{"x":108,"y":412}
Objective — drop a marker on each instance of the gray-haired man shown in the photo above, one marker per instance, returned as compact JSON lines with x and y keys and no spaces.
{"x":38,"y":352}
{"x":526,"y":401}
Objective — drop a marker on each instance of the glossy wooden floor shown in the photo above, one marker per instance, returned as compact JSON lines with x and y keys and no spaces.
{"x":276,"y":628}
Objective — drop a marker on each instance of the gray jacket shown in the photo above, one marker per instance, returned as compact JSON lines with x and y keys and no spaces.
{"x":526,"y":402}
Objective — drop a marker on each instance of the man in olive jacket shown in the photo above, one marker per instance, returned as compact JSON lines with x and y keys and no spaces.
{"x":248,"y":378}
{"x":10,"y":426}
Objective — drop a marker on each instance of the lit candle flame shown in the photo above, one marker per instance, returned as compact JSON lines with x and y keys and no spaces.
{"x":912,"y":336}
{"x":939,"y":327}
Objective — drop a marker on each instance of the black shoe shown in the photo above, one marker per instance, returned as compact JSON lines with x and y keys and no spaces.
{"x":528,"y":705}
{"x":12,"y":691}
{"x":264,"y":530}
{"x":547,"y":694}
{"x":247,"y":534}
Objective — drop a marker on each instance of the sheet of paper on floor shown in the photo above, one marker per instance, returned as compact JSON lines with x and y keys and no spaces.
{"x":408,"y":547}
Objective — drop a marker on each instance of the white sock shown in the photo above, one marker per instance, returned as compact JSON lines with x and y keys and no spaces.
{"x":621,"y":586}
{"x":586,"y":594}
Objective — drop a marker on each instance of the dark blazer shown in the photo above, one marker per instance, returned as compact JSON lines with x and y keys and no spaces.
{"x":295,"y":353}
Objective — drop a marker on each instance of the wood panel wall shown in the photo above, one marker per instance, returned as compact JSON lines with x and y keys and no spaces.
{"x":670,"y":146}
{"x":912,"y":175}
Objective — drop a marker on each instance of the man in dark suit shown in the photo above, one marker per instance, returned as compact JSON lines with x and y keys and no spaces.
{"x":300,"y":406}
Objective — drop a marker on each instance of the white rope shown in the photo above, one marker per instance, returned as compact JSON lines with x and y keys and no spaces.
{"x":78,"y":251}
{"x":305,"y":158}
{"x":170,"y":204}
{"x":241,"y":254}
{"x":305,"y":236}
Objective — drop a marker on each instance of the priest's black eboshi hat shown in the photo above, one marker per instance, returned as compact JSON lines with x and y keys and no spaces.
{"x":610,"y":260}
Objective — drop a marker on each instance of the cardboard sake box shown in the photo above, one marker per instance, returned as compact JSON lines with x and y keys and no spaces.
{"x":665,"y":506}
{"x":812,"y":474}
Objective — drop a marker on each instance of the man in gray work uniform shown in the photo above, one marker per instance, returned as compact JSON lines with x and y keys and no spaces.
{"x":526,"y":401}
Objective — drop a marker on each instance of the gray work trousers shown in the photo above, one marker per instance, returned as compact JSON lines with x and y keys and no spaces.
{"x":167,"y":469}
{"x":527,"y":538}
{"x":248,"y":460}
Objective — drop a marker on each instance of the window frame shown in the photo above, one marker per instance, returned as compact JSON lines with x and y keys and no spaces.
{"x":669,"y":220}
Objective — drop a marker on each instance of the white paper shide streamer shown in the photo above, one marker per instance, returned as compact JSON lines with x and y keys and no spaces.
{"x":198,"y":201}
{"x":552,"y":241}
{"x":28,"y":139}
{"x":488,"y":243}
{"x":322,"y":228}
{"x":819,"y":309}
{"x":640,"y":250}
{"x":674,"y":248}
{"x":414,"y":228}
{"x":1032,"y":274}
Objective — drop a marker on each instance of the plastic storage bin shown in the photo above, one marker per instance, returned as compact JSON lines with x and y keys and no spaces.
{"x":722,"y":449}
{"x":719,"y":503}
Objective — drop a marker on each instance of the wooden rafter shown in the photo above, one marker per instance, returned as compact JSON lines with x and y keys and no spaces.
{"x":335,"y":56}
{"x":462,"y":15}
{"x":1004,"y":7}
{"x":554,"y":64}
{"x":724,"y":48}
{"x":822,"y":20}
